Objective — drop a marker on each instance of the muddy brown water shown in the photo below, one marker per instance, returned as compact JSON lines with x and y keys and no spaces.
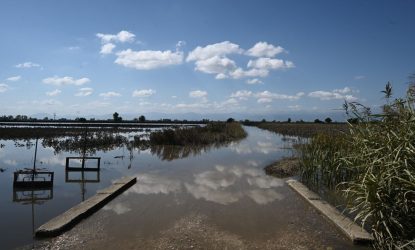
{"x":218,"y":198}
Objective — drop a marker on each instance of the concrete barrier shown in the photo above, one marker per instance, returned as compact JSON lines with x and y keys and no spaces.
{"x":75,"y":214}
{"x":356,"y":233}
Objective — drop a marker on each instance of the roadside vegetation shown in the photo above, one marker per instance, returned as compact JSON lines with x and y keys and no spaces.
{"x":373,"y":167}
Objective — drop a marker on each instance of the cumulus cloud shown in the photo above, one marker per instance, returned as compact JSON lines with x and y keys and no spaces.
{"x":110,"y":94}
{"x":3,"y":87}
{"x":270,"y":63}
{"x":344,"y":90}
{"x":263,"y":49}
{"x":254,"y":81}
{"x":53,"y":92}
{"x":216,"y":65}
{"x":212,"y":50}
{"x":143,"y":93}
{"x":66,"y":80}
{"x":214,"y":59}
{"x":107,"y":48}
{"x":14,"y":78}
{"x":241,"y":94}
{"x":198,"y":94}
{"x":27,"y":65}
{"x":240,"y":73}
{"x":337,"y":94}
{"x":122,"y":37}
{"x":84,"y":92}
{"x":148,"y":59}
{"x":267,"y":96}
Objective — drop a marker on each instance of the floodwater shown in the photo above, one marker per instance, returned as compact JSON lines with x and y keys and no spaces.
{"x":208,"y":198}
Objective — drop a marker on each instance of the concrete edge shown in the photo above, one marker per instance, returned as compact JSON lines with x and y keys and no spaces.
{"x":74,"y":215}
{"x":356,"y":233}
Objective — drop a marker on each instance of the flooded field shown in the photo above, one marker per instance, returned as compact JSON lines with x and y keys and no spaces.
{"x":204,"y":198}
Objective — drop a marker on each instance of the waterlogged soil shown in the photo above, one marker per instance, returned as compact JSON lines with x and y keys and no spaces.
{"x":219,"y":198}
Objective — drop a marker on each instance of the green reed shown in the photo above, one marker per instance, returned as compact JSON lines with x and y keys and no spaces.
{"x":374,"y":166}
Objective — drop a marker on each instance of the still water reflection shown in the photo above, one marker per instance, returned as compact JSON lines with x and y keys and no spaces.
{"x":226,"y":184}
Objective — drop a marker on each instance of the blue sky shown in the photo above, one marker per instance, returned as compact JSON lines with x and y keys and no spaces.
{"x":273,"y":58}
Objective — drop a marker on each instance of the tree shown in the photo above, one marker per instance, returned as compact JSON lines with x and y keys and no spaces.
{"x":141,"y":118}
{"x":116,"y":117}
{"x":230,"y":120}
{"x":289,"y":120}
{"x":328,"y":120}
{"x":317,"y":121}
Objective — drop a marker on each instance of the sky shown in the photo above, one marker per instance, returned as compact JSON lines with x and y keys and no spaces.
{"x":220,"y":57}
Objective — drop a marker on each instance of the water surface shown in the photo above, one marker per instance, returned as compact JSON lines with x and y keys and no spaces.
{"x":183,"y":197}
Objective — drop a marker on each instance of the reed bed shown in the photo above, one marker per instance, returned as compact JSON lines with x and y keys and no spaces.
{"x":305,"y":130}
{"x":374,"y":167}
{"x":212,"y":133}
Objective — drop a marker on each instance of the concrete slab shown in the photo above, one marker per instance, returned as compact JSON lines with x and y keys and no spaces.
{"x":355,"y":232}
{"x":75,"y":214}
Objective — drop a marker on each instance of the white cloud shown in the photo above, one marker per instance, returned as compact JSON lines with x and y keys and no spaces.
{"x":84,"y":92}
{"x":254,"y":81}
{"x":27,"y":65}
{"x":180,"y":44}
{"x":14,"y":78}
{"x":54,"y":92}
{"x":240,"y":73}
{"x":110,"y":94}
{"x":263,"y":49}
{"x":148,"y":59}
{"x":221,"y":76}
{"x":270,"y":63}
{"x":331,"y":95}
{"x":3,"y":87}
{"x":107,"y":48}
{"x":198,"y":94}
{"x":267,"y":96}
{"x":213,"y":59}
{"x":122,"y":37}
{"x":212,"y":50}
{"x":359,"y":77}
{"x":230,"y":101}
{"x":143,"y":93}
{"x":66,"y":80}
{"x":216,"y":65}
{"x":241,"y":94}
{"x":344,"y":90}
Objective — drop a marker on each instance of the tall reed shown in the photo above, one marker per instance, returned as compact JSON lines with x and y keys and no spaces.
{"x":374,"y":164}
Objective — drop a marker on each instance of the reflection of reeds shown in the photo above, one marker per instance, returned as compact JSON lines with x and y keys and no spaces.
{"x":88,"y":143}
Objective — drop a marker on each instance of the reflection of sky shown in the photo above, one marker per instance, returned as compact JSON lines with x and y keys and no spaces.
{"x":217,"y":185}
{"x":153,"y":184}
{"x":117,"y":207}
{"x":223,"y":185}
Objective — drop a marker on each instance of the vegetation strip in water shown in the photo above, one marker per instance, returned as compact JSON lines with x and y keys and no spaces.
{"x":305,"y":130}
{"x":283,"y":168}
{"x":374,"y":167}
{"x":212,"y":133}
